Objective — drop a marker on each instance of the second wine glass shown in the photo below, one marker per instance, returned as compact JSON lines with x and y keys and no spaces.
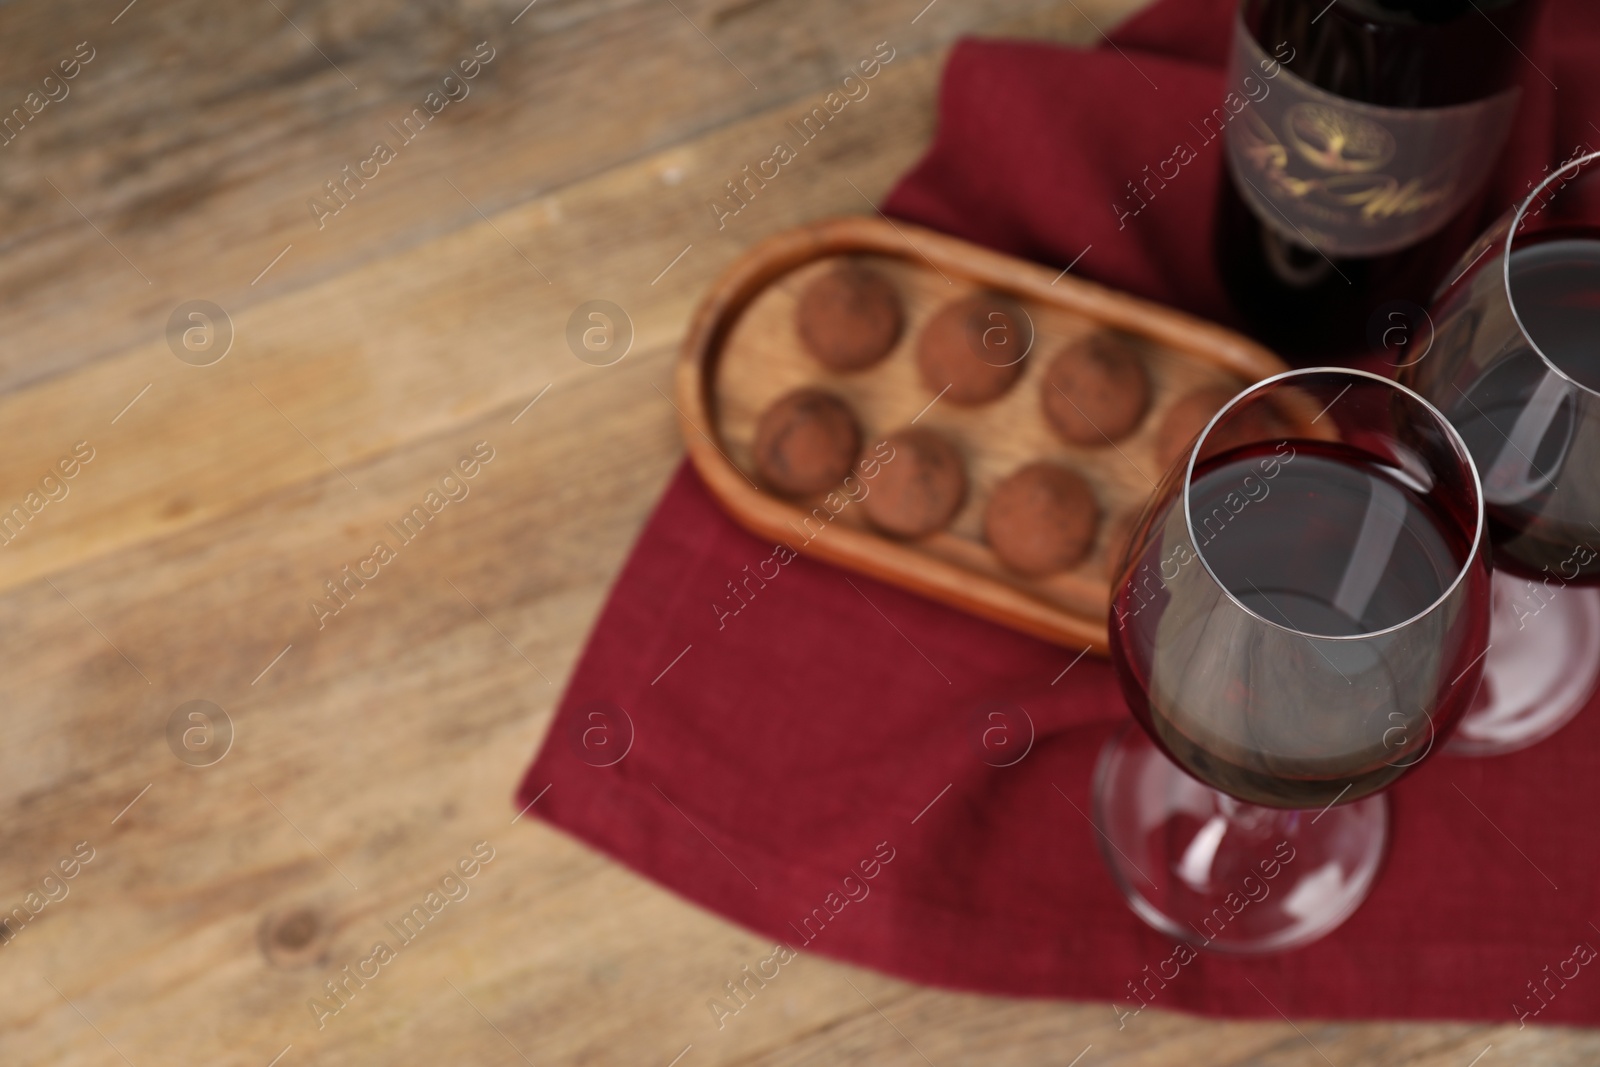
{"x":1514,"y":362}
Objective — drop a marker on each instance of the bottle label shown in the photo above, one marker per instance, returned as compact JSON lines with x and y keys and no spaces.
{"x":1345,"y":178}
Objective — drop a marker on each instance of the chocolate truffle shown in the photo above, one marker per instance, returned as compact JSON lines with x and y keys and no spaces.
{"x":1041,"y":519}
{"x":806,"y":442}
{"x":849,"y":318}
{"x":974,"y":346}
{"x":1095,"y":390}
{"x":1193,"y":410}
{"x":920,"y":486}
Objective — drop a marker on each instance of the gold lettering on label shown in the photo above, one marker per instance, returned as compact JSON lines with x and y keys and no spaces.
{"x":1407,"y":199}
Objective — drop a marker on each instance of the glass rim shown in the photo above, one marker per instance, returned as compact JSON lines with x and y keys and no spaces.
{"x":1474,"y":551}
{"x":1573,"y":166}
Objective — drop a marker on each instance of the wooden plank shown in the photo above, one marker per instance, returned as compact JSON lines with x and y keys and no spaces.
{"x":193,"y":141}
{"x":404,"y":346}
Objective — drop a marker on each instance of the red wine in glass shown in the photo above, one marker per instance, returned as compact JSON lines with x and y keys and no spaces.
{"x":1339,"y":545}
{"x":1522,"y":421}
{"x":1555,"y":283}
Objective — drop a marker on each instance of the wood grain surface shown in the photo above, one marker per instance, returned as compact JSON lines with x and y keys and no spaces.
{"x":372,"y":357}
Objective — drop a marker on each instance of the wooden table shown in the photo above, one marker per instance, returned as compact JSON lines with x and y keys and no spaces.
{"x":242,"y":459}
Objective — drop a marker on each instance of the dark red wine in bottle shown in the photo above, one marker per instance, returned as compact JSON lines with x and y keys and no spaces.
{"x":1359,"y":136}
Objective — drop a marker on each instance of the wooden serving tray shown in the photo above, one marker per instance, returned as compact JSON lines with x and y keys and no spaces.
{"x":742,"y":353}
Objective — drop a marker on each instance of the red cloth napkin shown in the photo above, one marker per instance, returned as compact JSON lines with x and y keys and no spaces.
{"x":796,"y":747}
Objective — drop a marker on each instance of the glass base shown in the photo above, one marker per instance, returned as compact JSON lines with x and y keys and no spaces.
{"x":1543,"y":662}
{"x":1221,"y":874}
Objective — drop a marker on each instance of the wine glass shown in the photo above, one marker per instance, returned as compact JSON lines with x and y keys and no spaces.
{"x":1300,"y":619}
{"x":1514,"y":363}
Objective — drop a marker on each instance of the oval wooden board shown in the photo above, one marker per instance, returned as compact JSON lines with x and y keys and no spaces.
{"x":742,"y":353}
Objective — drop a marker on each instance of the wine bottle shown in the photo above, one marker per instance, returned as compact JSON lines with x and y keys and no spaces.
{"x":1357,"y":158}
